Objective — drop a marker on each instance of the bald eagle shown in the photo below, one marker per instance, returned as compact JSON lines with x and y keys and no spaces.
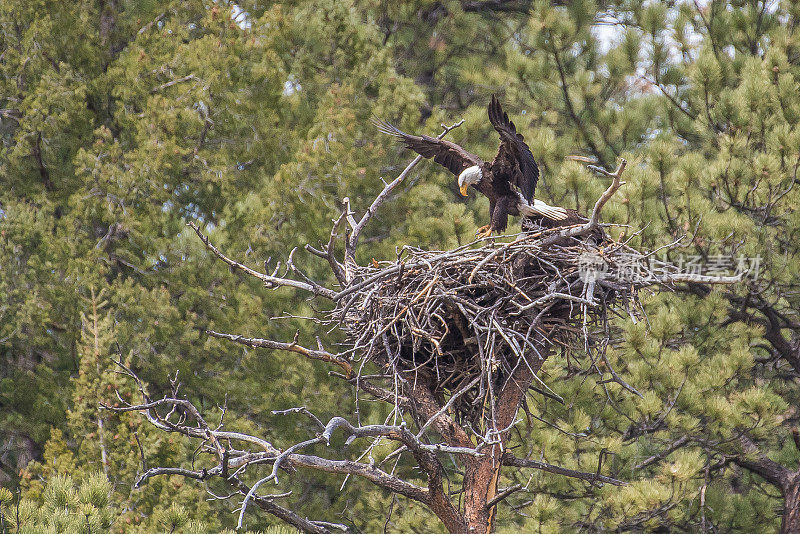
{"x":508,"y":182}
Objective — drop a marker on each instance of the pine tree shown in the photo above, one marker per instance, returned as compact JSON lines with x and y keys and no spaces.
{"x":111,"y":451}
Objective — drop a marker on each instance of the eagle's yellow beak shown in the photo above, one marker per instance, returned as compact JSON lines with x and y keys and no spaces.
{"x":464,"y":190}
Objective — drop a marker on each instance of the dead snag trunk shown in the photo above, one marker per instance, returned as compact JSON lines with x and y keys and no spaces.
{"x":480,"y":481}
{"x":482,"y":474}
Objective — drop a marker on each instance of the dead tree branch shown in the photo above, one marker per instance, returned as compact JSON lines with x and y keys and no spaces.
{"x":270,"y":281}
{"x":357,"y":227}
{"x":290,"y":347}
{"x":512,"y":461}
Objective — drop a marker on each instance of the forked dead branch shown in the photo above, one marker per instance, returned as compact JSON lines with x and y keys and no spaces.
{"x":451,"y":340}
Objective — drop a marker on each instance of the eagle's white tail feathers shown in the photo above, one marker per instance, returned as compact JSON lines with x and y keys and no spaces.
{"x":540,"y":208}
{"x":552,"y":212}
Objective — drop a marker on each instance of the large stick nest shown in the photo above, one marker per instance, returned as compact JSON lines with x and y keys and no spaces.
{"x":462,"y":320}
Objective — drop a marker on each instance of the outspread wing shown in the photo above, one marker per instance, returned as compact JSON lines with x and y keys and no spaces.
{"x":445,"y":153}
{"x":514,"y":151}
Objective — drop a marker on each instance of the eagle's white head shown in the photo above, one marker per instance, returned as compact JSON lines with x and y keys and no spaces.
{"x":469,"y":176}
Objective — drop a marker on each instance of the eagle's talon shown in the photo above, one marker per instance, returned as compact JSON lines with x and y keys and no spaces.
{"x":484,"y":231}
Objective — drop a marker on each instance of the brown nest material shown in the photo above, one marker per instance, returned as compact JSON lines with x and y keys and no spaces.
{"x":462,"y":320}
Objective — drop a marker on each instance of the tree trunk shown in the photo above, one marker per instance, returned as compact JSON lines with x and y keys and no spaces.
{"x":481,"y":475}
{"x":480,"y":485}
{"x":790,"y":524}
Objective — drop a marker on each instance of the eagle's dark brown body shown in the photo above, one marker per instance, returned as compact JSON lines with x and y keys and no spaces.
{"x":502,"y":198}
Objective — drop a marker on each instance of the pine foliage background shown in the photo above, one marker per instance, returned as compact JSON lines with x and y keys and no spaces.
{"x":122,"y":120}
